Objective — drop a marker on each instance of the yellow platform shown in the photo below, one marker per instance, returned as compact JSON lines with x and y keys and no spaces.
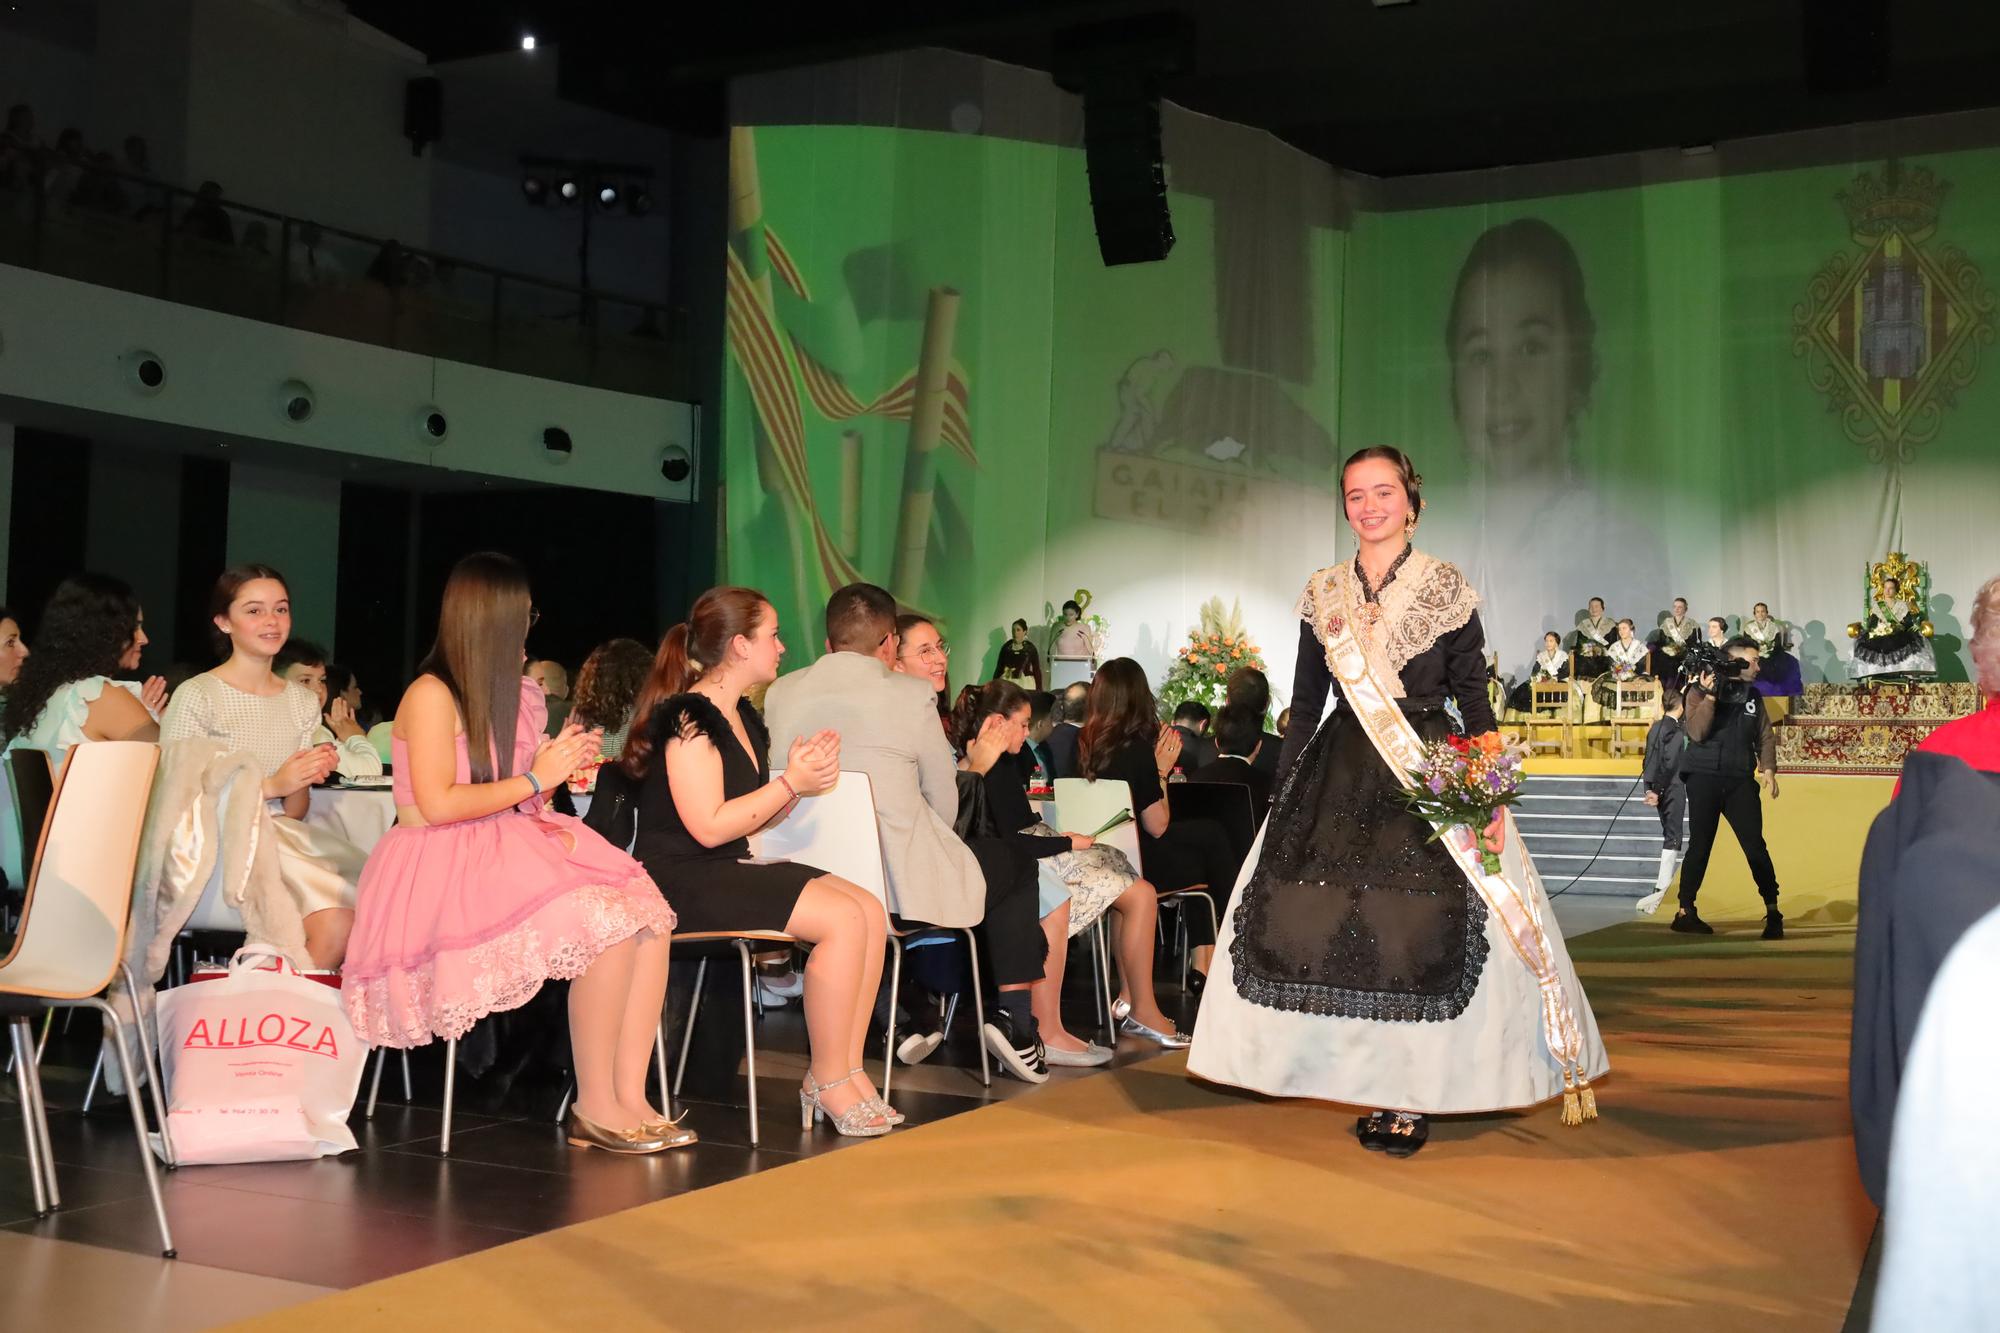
{"x":1815,"y":830}
{"x":1587,"y":766}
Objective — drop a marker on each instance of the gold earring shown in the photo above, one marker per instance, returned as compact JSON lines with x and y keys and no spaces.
{"x":1410,"y":525}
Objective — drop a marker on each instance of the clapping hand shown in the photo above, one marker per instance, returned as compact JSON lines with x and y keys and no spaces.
{"x":564,"y":753}
{"x":340,"y":720}
{"x":813,"y":763}
{"x":307,"y":768}
{"x":1167,"y":749}
{"x":988,"y":745}
{"x":153,"y":694}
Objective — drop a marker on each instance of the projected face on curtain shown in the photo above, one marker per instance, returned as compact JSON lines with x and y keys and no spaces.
{"x":1520,"y":338}
{"x":1521,"y":346}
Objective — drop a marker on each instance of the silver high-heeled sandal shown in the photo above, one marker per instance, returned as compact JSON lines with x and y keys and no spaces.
{"x":882,"y":1107}
{"x":859,"y":1121}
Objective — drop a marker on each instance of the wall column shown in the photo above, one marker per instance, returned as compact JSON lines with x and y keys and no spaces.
{"x":290,"y":521}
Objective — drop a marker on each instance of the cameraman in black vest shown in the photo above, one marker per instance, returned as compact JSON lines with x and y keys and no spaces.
{"x":1730,"y":745}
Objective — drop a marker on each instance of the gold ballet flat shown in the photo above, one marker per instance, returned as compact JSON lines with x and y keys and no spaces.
{"x":584,"y":1132}
{"x":669,"y":1132}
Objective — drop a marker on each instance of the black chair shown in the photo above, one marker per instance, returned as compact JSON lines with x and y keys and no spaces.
{"x":31,"y":789}
{"x":1227,"y":803}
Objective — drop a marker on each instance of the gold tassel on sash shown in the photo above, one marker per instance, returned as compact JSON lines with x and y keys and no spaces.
{"x":1572,"y":1105}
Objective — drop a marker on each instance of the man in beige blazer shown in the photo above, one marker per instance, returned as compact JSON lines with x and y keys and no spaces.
{"x":888,"y":728}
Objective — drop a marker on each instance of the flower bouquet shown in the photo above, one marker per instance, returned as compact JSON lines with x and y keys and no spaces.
{"x":1463,"y":781}
{"x":1216,"y":647}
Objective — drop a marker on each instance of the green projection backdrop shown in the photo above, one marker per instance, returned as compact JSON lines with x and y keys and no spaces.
{"x":1735,"y":389}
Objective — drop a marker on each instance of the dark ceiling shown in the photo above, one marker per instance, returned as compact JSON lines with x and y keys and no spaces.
{"x":1391,"y":90}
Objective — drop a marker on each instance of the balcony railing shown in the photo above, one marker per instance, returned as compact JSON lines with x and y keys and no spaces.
{"x":143,"y":236}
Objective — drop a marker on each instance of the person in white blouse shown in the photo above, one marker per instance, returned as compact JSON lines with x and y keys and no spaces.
{"x":1677,"y":633}
{"x":91,"y":635}
{"x":303,"y":662}
{"x":1551,"y":663}
{"x":1628,"y":653}
{"x":1629,"y":658}
{"x":247,"y":707}
{"x":1594,"y":633}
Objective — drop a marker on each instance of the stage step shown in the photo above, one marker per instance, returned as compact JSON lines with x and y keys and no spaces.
{"x":1590,"y":835}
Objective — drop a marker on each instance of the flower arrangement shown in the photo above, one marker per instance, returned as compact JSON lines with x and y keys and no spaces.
{"x":1216,"y":647}
{"x":1463,"y":781}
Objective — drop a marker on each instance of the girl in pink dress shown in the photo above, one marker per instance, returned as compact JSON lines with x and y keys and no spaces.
{"x":481,"y":893}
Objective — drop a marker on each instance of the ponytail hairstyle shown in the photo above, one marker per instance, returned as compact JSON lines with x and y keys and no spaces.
{"x":976,"y":703}
{"x":690,"y":651}
{"x":481,"y":637}
{"x":1121,"y":712}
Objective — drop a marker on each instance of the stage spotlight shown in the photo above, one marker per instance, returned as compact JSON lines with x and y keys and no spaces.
{"x":607,"y":196}
{"x":527,"y":41}
{"x":535,"y":190}
{"x":568,"y":189}
{"x":638,"y":200}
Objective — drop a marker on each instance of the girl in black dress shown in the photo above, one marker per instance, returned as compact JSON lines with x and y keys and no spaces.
{"x":1123,"y":739}
{"x":703,"y":785}
{"x":1096,"y":877}
{"x":1019,"y":662}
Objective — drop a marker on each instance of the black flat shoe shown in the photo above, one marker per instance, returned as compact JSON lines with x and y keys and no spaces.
{"x":1406,"y":1134}
{"x":1774,"y":924}
{"x":1369,"y":1129}
{"x":1197,"y":982}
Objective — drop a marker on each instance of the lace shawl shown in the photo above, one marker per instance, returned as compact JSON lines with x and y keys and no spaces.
{"x":1426,"y":600}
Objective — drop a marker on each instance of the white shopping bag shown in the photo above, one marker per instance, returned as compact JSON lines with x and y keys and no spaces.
{"x":261,"y":1065}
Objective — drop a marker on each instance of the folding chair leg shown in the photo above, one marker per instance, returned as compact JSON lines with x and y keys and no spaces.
{"x":375,"y":1083}
{"x":1107,"y":996}
{"x":1097,"y":983}
{"x":155,"y":1069}
{"x":895,"y":997}
{"x":687,"y":1036}
{"x":450,"y":1086}
{"x":138,"y":1110}
{"x":950,"y":1013}
{"x":21,"y":1034}
{"x":750,"y":1030}
{"x":409,"y":1094}
{"x":562,"y":1107}
{"x":96,"y":1073}
{"x":48,"y":1026}
{"x":660,"y":1066}
{"x":979,"y":1010}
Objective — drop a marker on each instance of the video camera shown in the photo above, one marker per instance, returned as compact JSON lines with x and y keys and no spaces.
{"x":1705,"y":657}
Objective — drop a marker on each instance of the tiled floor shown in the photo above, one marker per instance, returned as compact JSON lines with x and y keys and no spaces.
{"x":258,"y":1237}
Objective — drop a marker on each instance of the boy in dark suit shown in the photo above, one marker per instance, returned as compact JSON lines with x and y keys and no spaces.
{"x":1664,"y":791}
{"x":1239,"y":736}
